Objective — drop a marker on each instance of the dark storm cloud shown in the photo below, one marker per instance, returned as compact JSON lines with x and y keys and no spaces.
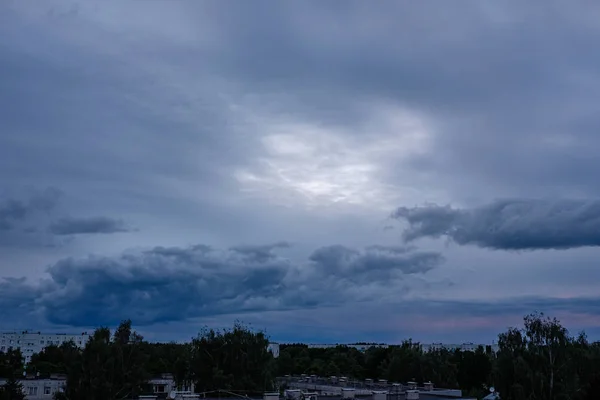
{"x":73,"y":226}
{"x":176,"y":284}
{"x":509,"y":224}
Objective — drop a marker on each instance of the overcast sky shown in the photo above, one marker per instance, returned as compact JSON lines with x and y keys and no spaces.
{"x":327,"y":171}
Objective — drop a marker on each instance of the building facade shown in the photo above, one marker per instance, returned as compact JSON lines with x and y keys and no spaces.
{"x":462,"y":346}
{"x":38,"y":389}
{"x":426,"y":347}
{"x":33,"y":342}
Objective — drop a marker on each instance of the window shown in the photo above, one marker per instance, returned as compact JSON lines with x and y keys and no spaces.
{"x":159,"y":388}
{"x":33,"y":390}
{"x":47,"y":390}
{"x":41,"y":342}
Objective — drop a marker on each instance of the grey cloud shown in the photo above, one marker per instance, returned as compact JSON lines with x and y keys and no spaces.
{"x":13,"y":211}
{"x":33,"y":221}
{"x":260,"y":253}
{"x":471,"y":72}
{"x":374,"y":261}
{"x":176,"y":284}
{"x":21,"y":216}
{"x":509,"y":224}
{"x":73,"y":226}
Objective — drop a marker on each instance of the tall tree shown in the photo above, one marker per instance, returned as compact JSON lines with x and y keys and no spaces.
{"x":108,"y":369}
{"x":235,"y":359}
{"x":11,"y":363}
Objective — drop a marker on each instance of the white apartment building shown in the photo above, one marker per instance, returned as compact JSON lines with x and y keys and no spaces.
{"x":33,"y":342}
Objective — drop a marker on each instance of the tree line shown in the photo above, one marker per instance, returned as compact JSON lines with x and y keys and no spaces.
{"x":540,"y":361}
{"x":119,"y":365}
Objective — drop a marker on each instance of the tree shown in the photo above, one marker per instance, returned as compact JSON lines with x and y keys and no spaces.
{"x":548,"y":345}
{"x":235,"y":359}
{"x":108,"y":369}
{"x":542,"y":361}
{"x":54,"y":359}
{"x":12,"y":390}
{"x":129,"y":361}
{"x":11,"y":363}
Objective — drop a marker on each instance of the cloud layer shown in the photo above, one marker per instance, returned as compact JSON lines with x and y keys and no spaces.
{"x":177,"y":284}
{"x":170,"y":124}
{"x":73,"y":226}
{"x":509,"y":224}
{"x":35,"y":220}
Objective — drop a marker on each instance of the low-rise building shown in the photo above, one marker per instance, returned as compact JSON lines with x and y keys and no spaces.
{"x":165,"y":384}
{"x":39,"y":389}
{"x":44,"y":389}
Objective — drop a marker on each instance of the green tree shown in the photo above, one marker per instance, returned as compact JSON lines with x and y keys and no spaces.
{"x":235,"y":359}
{"x":108,"y":369}
{"x":11,"y":363}
{"x":12,"y":390}
{"x":54,"y":359}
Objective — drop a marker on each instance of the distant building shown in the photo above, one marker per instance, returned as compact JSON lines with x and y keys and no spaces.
{"x":359,"y":347}
{"x":426,"y":347}
{"x":463,"y":347}
{"x":34,"y":342}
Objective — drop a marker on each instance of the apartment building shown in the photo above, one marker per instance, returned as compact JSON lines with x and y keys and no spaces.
{"x":33,"y":342}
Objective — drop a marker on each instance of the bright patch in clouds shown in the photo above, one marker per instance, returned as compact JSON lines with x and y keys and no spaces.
{"x":321,"y":166}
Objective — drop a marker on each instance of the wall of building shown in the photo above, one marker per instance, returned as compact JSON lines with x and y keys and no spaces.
{"x":40,"y":389}
{"x":166,"y":384}
{"x":33,"y":342}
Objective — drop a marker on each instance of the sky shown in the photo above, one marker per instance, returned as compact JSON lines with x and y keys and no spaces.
{"x":328,"y":172}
